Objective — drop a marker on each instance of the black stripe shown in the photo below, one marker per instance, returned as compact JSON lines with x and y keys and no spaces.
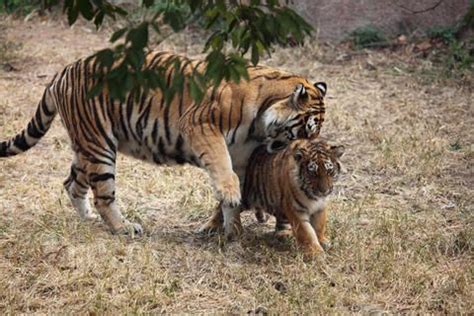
{"x":154,"y":133}
{"x":130,"y":106}
{"x":102,"y":131}
{"x":142,"y":121}
{"x":33,"y":131}
{"x":179,"y":156}
{"x":239,"y":122}
{"x":161,"y":147}
{"x":221,"y":122}
{"x":229,"y":121}
{"x":167,"y":123}
{"x":20,"y":142}
{"x":122,"y":120}
{"x":96,"y":177}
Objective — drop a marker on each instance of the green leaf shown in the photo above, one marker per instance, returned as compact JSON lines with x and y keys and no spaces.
{"x":85,"y":7}
{"x":118,"y":34}
{"x":255,"y":54}
{"x":96,"y":90}
{"x":120,"y":11}
{"x":138,"y":36}
{"x":195,"y":91}
{"x":99,"y":18}
{"x":105,"y":57}
{"x":72,"y":14}
{"x":148,"y":3}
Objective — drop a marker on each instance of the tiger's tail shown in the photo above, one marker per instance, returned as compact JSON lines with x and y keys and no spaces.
{"x":35,"y":130}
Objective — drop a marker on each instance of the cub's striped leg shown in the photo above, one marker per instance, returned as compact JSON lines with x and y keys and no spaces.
{"x":77,"y":187}
{"x":282,"y":226}
{"x":318,"y":221}
{"x":102,"y":181}
{"x":213,"y":155}
{"x":304,"y":233}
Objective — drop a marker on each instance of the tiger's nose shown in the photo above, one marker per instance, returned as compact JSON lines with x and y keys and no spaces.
{"x":326,"y":191}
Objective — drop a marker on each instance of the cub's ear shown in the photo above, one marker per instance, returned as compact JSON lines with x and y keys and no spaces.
{"x":298,"y":155}
{"x":338,"y":150}
{"x":299,"y":94}
{"x":322,"y":87}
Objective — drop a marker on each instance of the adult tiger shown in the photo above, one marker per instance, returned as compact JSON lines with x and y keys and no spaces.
{"x":217,"y":134}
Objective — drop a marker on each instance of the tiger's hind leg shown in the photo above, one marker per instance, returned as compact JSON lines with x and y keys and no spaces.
{"x":282,"y":226}
{"x":77,"y":186}
{"x":102,"y":181}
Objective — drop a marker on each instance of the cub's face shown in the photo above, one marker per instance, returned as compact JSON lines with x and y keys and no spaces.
{"x":299,"y":117}
{"x":318,"y":166}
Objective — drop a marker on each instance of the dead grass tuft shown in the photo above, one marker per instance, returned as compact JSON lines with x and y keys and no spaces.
{"x":401,"y":223}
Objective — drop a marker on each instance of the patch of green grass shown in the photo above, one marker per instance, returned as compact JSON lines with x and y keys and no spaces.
{"x":445,"y":33}
{"x":368,"y":37}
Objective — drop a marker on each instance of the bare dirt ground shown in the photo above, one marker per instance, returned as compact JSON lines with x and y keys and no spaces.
{"x":401,"y":223}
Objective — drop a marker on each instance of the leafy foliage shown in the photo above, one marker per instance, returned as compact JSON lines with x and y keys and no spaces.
{"x":25,"y":6}
{"x":368,"y":36}
{"x":445,"y":33}
{"x":251,"y":28}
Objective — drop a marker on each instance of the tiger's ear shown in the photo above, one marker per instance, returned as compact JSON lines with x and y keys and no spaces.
{"x":299,"y":94}
{"x":338,"y":150}
{"x":322,"y":87}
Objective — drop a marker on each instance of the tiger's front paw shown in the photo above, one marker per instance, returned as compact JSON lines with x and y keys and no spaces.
{"x":229,"y":192}
{"x":211,"y":227}
{"x":234,"y":230}
{"x":88,"y":216}
{"x":326,"y":244}
{"x":312,"y":251}
{"x":129,"y":229}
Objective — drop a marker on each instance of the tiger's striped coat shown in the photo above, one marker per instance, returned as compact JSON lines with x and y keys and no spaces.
{"x":217,"y":134}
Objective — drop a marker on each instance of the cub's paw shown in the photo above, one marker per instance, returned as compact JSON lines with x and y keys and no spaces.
{"x":313,"y":251}
{"x":283,"y":233}
{"x":261,"y":216}
{"x":326,"y":244}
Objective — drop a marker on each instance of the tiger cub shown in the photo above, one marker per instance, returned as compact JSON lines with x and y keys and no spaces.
{"x":293,"y":185}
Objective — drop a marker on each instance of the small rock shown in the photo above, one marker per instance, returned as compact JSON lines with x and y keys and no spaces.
{"x":8,"y":67}
{"x":280,"y":287}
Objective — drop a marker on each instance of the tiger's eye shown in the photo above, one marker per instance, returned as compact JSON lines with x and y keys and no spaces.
{"x":328,"y":165}
{"x":312,"y":166}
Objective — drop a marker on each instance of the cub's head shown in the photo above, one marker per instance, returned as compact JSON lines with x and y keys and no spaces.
{"x":300,"y":115}
{"x":317,"y":166}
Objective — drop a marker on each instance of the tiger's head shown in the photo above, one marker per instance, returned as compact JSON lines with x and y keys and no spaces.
{"x":316,"y":166}
{"x":301,"y":115}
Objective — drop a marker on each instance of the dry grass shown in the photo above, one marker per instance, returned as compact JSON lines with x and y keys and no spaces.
{"x":401,"y":224}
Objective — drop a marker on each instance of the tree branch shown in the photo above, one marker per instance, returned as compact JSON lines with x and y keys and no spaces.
{"x":420,"y":11}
